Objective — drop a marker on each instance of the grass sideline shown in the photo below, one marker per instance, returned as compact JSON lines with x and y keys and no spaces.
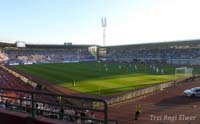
{"x":100,"y":78}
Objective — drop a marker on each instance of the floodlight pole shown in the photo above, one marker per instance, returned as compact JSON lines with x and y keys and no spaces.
{"x":103,"y":24}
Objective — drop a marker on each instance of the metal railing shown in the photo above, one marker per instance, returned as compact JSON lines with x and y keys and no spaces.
{"x":28,"y":101}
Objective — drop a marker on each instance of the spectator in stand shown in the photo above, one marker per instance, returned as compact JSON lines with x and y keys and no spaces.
{"x":59,"y":99}
{"x":61,"y":113}
{"x":7,"y":103}
{"x":83,"y":116}
{"x":37,"y":107}
{"x":77,"y":118}
{"x":91,"y":116}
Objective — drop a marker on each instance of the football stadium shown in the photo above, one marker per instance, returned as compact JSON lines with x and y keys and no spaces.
{"x":69,"y":83}
{"x":99,"y":62}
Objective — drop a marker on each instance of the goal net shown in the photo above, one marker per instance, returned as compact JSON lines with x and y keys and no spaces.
{"x":183,"y":71}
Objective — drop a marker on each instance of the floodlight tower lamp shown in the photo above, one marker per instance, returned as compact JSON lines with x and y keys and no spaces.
{"x":104,"y":24}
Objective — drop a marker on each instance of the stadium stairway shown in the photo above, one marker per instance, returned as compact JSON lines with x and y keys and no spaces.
{"x":10,"y":81}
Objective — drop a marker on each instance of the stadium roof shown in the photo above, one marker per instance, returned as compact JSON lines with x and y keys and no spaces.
{"x":163,"y":45}
{"x":55,"y":46}
{"x":158,"y":45}
{"x":2,"y":44}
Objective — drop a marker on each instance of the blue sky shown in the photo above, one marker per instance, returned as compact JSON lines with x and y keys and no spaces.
{"x":79,"y":21}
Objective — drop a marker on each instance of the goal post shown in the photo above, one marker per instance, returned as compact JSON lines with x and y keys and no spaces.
{"x":184,"y":71}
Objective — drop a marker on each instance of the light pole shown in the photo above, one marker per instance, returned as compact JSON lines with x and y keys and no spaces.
{"x":103,"y":24}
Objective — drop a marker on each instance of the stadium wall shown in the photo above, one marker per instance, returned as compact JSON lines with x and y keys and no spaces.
{"x":142,"y":92}
{"x":184,"y":61}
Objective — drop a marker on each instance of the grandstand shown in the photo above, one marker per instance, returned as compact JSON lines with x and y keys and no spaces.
{"x":177,"y":52}
{"x":32,"y":54}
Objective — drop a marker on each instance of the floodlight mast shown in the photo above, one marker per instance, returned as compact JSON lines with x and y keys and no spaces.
{"x":103,"y":24}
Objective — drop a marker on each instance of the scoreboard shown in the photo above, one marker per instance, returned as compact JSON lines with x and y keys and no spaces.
{"x":102,"y":52}
{"x":93,"y":50}
{"x":20,"y":44}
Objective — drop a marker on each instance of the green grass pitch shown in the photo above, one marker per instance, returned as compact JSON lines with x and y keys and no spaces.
{"x":100,"y":78}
